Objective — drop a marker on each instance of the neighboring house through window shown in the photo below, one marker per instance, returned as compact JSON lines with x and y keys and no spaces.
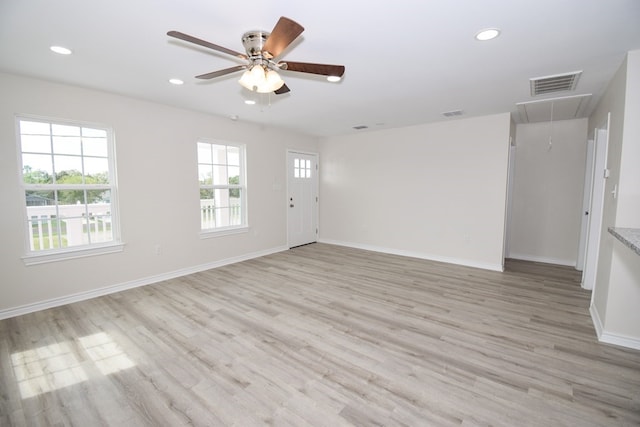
{"x":221,"y":173}
{"x":69,"y":190}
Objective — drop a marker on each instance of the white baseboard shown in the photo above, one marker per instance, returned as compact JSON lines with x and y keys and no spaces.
{"x":595,"y":318}
{"x":622,"y":341}
{"x":545,"y":260}
{"x":610,"y":338}
{"x":420,"y":255}
{"x":81,"y":296}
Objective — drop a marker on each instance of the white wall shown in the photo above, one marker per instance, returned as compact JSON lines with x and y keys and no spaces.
{"x":616,"y":298}
{"x":612,"y":102}
{"x":159,"y":198}
{"x":435,"y":191}
{"x":628,"y":212}
{"x":548,"y":191}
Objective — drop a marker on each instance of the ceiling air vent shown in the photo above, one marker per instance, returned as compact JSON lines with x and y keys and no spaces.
{"x":557,"y":83}
{"x":452,"y":113}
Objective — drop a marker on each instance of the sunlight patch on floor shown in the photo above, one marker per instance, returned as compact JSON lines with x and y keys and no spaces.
{"x":47,"y":368}
{"x":106,"y":353}
{"x":55,"y":366}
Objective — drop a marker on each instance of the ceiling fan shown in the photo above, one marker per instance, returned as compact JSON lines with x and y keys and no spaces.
{"x":263,"y":49}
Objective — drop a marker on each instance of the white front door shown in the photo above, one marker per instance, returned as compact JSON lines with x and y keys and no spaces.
{"x":302,"y":198}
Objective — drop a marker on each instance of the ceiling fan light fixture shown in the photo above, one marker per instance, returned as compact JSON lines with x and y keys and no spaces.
{"x":246,"y":80}
{"x":258,"y":74}
{"x":274,"y":81}
{"x":255,"y":78}
{"x":261,"y":79}
{"x":334,"y":79}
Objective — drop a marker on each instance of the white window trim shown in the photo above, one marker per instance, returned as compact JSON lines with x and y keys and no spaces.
{"x":226,"y":231}
{"x":46,"y":256}
{"x":76,"y":252}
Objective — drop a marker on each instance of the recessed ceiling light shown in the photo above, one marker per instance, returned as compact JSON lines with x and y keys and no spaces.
{"x":176,"y":81}
{"x":487,"y":34}
{"x":334,"y":79}
{"x":61,"y":50}
{"x":249,"y":101}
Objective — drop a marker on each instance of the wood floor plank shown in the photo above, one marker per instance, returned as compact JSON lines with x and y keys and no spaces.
{"x":323,"y":335}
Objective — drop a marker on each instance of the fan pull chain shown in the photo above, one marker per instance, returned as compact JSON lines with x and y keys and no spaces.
{"x":551,"y":130}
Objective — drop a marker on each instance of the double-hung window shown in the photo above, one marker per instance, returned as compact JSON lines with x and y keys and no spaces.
{"x":223,"y":191}
{"x":68,"y":180}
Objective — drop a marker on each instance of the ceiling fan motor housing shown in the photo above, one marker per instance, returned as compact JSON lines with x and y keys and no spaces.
{"x":253,"y":42}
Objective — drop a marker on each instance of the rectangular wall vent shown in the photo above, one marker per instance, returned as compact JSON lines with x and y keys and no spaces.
{"x":452,"y":113}
{"x":556,"y":83}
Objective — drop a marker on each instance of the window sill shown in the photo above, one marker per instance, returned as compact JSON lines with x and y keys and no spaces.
{"x":209,"y":234}
{"x":42,"y":258}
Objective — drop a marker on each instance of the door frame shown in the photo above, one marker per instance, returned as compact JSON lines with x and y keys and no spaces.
{"x":600,"y":172}
{"x":511,"y":171}
{"x":315,"y":208}
{"x":586,"y":204}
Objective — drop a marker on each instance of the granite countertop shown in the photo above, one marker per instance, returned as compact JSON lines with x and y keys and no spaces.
{"x":629,"y":236}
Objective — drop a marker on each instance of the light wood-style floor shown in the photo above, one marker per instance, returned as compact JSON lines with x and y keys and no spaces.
{"x":323,"y":335}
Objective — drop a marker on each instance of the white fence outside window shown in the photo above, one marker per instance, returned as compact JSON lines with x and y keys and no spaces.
{"x":212,"y":217}
{"x":70,"y":224}
{"x":74,"y":227}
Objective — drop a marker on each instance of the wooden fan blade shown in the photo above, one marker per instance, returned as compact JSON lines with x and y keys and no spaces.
{"x":191,"y":39}
{"x":283,"y":89}
{"x":221,"y":72}
{"x":285,"y":31}
{"x":306,"y":67}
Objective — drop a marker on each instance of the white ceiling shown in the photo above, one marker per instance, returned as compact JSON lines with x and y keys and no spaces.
{"x":407,"y":61}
